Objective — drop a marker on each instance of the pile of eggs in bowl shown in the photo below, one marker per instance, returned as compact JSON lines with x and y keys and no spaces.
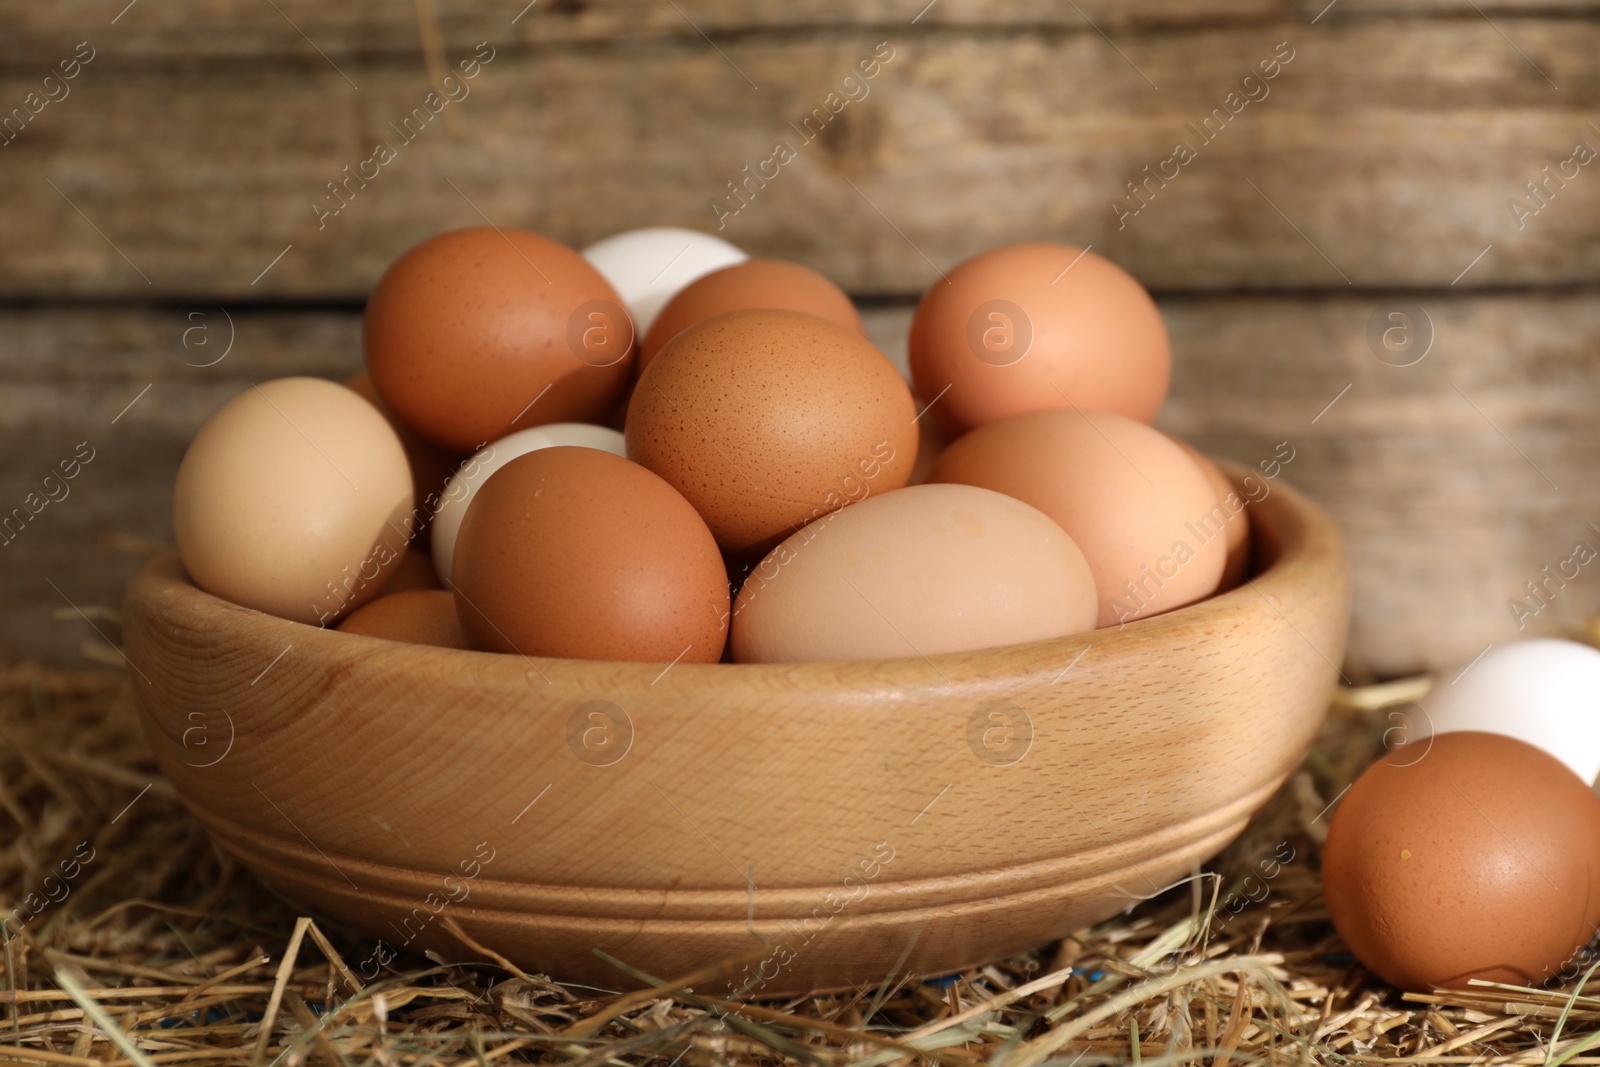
{"x":662,"y":450}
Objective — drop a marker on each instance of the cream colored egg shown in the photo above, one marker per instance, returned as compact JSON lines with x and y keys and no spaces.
{"x":915,"y":572}
{"x":463,"y":485}
{"x":293,"y":499}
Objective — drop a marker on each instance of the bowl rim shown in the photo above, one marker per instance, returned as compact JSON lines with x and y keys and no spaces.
{"x":1301,"y":543}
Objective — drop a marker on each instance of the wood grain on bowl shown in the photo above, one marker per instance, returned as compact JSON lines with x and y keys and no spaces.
{"x":947,"y":809}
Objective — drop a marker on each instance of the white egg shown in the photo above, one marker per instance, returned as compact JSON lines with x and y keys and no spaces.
{"x":648,"y":267}
{"x":1543,"y":691}
{"x":470,"y":476}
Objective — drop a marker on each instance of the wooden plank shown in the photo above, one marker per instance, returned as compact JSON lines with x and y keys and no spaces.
{"x":303,"y":28}
{"x":1386,"y":154}
{"x":1436,"y":471}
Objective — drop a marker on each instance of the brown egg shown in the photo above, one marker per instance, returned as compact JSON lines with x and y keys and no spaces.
{"x":414,"y":571}
{"x":292,"y":500}
{"x":1234,"y":515}
{"x":767,"y":419}
{"x":417,"y":616}
{"x":1135,"y":503}
{"x":1040,"y":325}
{"x":1470,"y":855}
{"x":477,"y":332}
{"x":578,"y":553}
{"x":755,"y":283}
{"x":431,"y":466}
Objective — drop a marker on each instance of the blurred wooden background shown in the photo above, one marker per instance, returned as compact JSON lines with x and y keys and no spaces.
{"x":161,"y":212}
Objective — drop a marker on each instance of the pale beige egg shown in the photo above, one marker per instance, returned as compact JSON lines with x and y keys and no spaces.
{"x":914,"y":572}
{"x":293,"y":499}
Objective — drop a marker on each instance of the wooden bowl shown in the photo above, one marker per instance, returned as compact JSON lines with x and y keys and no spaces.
{"x":821,"y":822}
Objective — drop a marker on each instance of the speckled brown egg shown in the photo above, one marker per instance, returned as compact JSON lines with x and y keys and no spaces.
{"x":578,"y":553}
{"x":1470,"y":855}
{"x":478,"y":332}
{"x":755,"y":283}
{"x":416,"y":616}
{"x":766,"y":420}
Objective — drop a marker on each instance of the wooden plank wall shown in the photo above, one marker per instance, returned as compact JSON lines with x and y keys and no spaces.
{"x":176,"y":192}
